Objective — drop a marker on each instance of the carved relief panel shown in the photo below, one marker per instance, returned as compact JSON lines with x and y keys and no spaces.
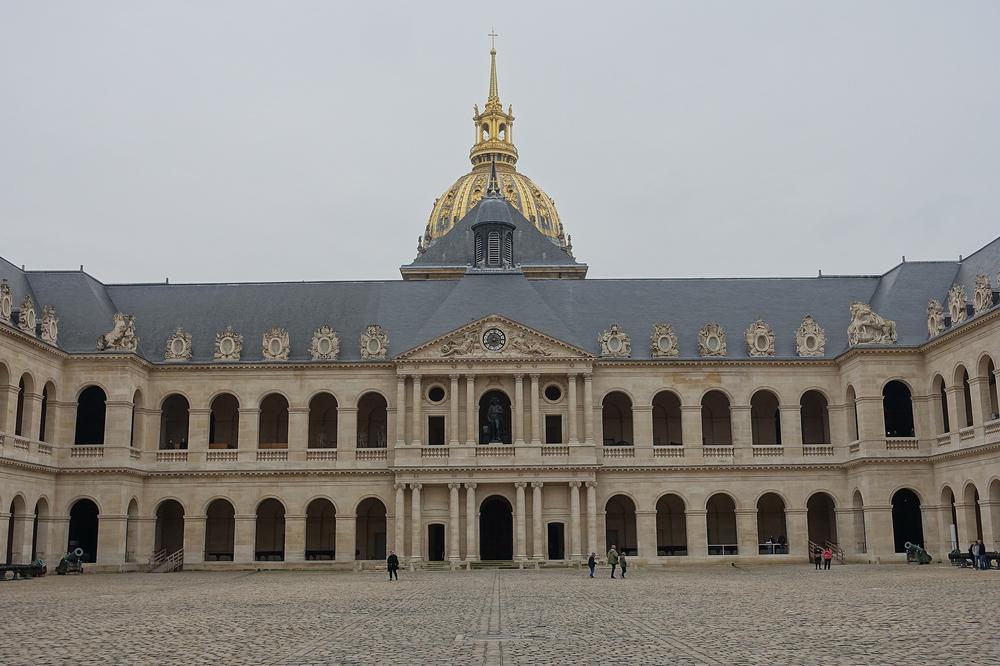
{"x":26,"y":319}
{"x":663,"y":341}
{"x":228,"y":345}
{"x":325,"y":344}
{"x":274,"y":345}
{"x":760,"y":339}
{"x":374,"y":343}
{"x":50,"y":325}
{"x":712,"y":340}
{"x":982,"y":297}
{"x":6,"y":302}
{"x":810,"y":339}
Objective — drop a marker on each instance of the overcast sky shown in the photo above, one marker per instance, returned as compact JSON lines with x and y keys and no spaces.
{"x":247,"y":140}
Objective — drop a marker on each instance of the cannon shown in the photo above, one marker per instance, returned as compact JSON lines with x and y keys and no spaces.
{"x":33,"y":569}
{"x":916,"y":553}
{"x":71,"y":562}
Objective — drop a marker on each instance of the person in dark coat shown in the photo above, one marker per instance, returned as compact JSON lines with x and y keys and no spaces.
{"x":974,"y":554}
{"x":613,"y":559}
{"x":623,"y":563}
{"x":818,"y":558}
{"x":592,"y":563}
{"x":392,"y":564}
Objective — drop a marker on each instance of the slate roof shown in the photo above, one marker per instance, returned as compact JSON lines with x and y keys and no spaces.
{"x":574,"y":311}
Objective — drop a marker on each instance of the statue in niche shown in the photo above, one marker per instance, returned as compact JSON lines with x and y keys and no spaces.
{"x":494,"y":420}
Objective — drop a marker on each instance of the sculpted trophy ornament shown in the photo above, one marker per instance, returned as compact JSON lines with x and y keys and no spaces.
{"x":712,"y":340}
{"x":663,"y":341}
{"x":935,"y":318}
{"x":810,"y":339}
{"x":26,"y":319}
{"x":615,"y":343}
{"x":869,"y":327}
{"x":6,"y":302}
{"x":325,"y":344}
{"x":374,"y":343}
{"x":179,"y":347}
{"x":50,"y":325}
{"x":274,"y":345}
{"x":982,"y":297}
{"x":760,"y":339}
{"x":957,"y":304}
{"x":228,"y":345}
{"x":122,"y":335}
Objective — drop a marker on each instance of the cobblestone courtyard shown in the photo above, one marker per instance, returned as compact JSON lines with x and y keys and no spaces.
{"x":706,"y":615}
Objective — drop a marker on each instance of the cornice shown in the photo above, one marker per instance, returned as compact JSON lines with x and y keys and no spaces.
{"x":18,"y":334}
{"x":270,"y":365}
{"x":967,"y":325}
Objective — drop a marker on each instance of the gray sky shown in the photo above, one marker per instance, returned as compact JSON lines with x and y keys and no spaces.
{"x":247,"y":140}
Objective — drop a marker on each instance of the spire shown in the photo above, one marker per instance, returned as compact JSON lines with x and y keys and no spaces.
{"x":493,"y":186}
{"x":494,"y":93}
{"x":494,"y":138}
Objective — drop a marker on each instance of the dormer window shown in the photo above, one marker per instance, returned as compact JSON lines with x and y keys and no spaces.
{"x":494,"y":245}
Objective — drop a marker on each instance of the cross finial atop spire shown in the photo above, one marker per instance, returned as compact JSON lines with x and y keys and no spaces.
{"x":493,"y":38}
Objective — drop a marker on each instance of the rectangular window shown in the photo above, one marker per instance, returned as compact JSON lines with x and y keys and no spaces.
{"x":553,"y":429}
{"x":493,"y":249}
{"x":435,"y":430}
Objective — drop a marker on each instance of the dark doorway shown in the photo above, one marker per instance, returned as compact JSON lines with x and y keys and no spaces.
{"x":557,"y":541}
{"x":907,"y":525}
{"x":435,"y":542}
{"x":169,"y":527}
{"x":484,"y":419}
{"x":83,"y":525}
{"x":496,"y":529}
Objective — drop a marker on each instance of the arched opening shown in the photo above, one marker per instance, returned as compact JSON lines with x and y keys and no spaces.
{"x":371,"y":535}
{"x":494,"y":418}
{"x":965,"y":409}
{"x":323,"y":422}
{"x":84,"y":521}
{"x":907,"y":524}
{"x":224,"y":422}
{"x":716,"y":424}
{"x":91,"y":407}
{"x":321,"y":530}
{"x":39,"y":531}
{"x":269,"y":544}
{"x":772,"y":534}
{"x":815,"y":416}
{"x":220,"y":531}
{"x":897,"y":410}
{"x":616,"y":419}
{"x":496,"y":529}
{"x":22,"y":417}
{"x":858,"y":514}
{"x":852,"y":414}
{"x":667,"y":419}
{"x":973,"y":513}
{"x":372,"y":421}
{"x":46,"y":422}
{"x":765,"y":419}
{"x":619,"y":525}
{"x":273,"y":433}
{"x":671,"y":526}
{"x":721,"y":523}
{"x":940,"y":395}
{"x":988,"y":377}
{"x":821,"y":519}
{"x":15,"y":533}
{"x":174,"y":421}
{"x":169,"y":535}
{"x":131,"y":530}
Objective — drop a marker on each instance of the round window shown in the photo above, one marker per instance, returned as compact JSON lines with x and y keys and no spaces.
{"x":275,"y":346}
{"x":553,"y":393}
{"x":615,"y":344}
{"x":435,"y":394}
{"x":761,"y":342}
{"x":810,"y":342}
{"x":324,"y":345}
{"x":663,"y":342}
{"x":31,"y":318}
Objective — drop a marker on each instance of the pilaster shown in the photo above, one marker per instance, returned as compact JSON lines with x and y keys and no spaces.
{"x":194,"y":538}
{"x":295,"y":536}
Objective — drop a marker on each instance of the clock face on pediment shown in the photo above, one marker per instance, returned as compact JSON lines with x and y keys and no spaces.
{"x":494,"y":339}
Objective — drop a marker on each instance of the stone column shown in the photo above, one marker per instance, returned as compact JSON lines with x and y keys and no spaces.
{"x":298,"y":428}
{"x":878,"y":531}
{"x":691,"y":425}
{"x":571,"y":396}
{"x":111,"y":540}
{"x":932,"y":536}
{"x":575,"y":535}
{"x":417,"y":427}
{"x":249,"y":427}
{"x":518,"y":409}
{"x":588,"y":407}
{"x":471,"y":411}
{"x":198,"y":431}
{"x":58,"y":537}
{"x":454,"y":528}
{"x":454,"y":431}
{"x":537,"y":537}
{"x":471,"y":523}
{"x":194,"y":539}
{"x":416,"y":523}
{"x":245,"y":536}
{"x":400,"y":410}
{"x":965,"y":523}
{"x":645,"y":533}
{"x":642,"y":426}
{"x":696,"y":524}
{"x":746,"y":531}
{"x":592,"y":517}
{"x":797,"y":524}
{"x":400,"y":519}
{"x":345,"y":537}
{"x":838,"y":415}
{"x":536,"y":413}
{"x":520,"y":546}
{"x":295,"y":537}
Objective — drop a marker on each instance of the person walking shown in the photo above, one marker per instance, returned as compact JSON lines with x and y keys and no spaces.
{"x":392,"y":564}
{"x":817,"y":557}
{"x":592,"y":563}
{"x":613,"y":559}
{"x":984,"y":560}
{"x":623,"y":563}
{"x":827,"y":558}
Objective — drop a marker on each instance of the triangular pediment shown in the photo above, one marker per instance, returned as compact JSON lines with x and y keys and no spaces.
{"x":493,"y":338}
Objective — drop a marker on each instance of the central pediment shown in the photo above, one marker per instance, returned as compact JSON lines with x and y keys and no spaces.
{"x":493,"y":338}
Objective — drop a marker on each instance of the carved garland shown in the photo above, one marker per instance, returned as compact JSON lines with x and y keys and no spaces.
{"x":663,"y":341}
{"x":228,"y":345}
{"x":275,"y":345}
{"x":712,"y":340}
{"x":374,"y":343}
{"x":760,"y":339}
{"x":615,"y":343}
{"x":810,"y":339}
{"x":179,"y":347}
{"x":325,"y":344}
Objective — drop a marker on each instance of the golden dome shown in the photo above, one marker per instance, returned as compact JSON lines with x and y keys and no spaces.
{"x":494,"y":144}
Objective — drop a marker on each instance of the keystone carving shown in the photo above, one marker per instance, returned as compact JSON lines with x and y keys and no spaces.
{"x":325,"y":344}
{"x":274,"y":345}
{"x":869,"y":327}
{"x":712,"y":340}
{"x":810,"y":339}
{"x":663,"y":341}
{"x":179,"y":346}
{"x":615,"y":343}
{"x":228,"y":345}
{"x":935,"y":318}
{"x":760,"y":339}
{"x":374,"y":343}
{"x":122,"y":335}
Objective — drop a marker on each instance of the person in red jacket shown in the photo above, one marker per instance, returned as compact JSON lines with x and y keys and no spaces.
{"x":827,"y":558}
